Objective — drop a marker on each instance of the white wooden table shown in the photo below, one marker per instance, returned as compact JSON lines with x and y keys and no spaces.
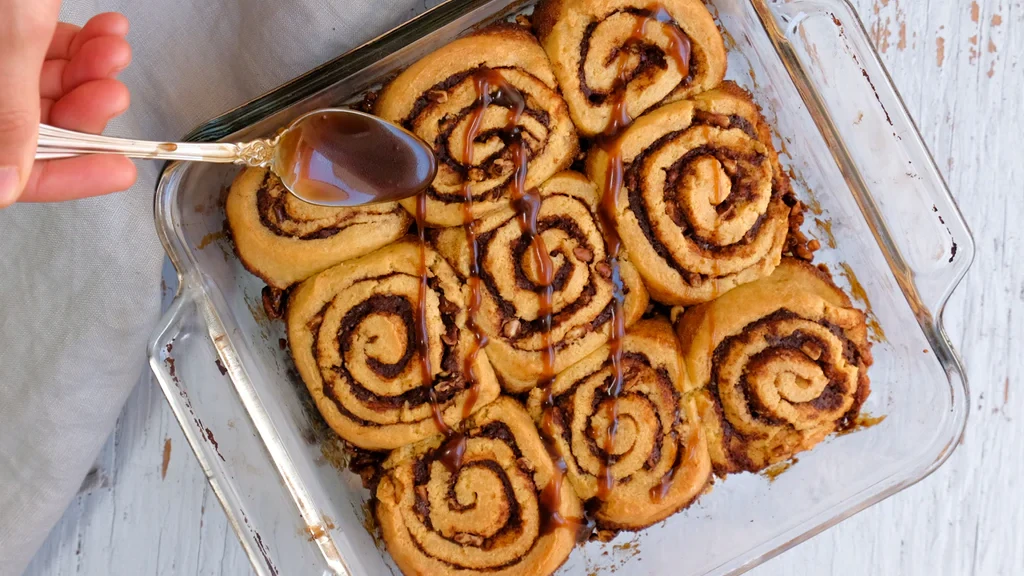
{"x":147,"y":508}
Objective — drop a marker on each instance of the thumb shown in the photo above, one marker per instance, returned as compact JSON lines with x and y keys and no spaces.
{"x":26,"y":29}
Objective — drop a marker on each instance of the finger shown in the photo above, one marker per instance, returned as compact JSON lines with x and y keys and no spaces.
{"x":89,"y":107}
{"x":106,"y":24}
{"x":101,"y":57}
{"x":25,"y":32}
{"x":81,"y":177}
{"x":60,"y":45}
{"x":44,"y":110}
{"x":51,"y":79}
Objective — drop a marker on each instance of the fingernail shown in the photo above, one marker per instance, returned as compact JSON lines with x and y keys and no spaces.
{"x":8,"y":185}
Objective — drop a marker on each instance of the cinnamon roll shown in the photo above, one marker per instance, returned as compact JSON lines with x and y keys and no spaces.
{"x":656,"y":463}
{"x":352,"y":331}
{"x":632,"y":53}
{"x":436,"y":98}
{"x":701,"y":208}
{"x":511,"y":311}
{"x":492,"y":513}
{"x":779,"y":363}
{"x":284,"y":240}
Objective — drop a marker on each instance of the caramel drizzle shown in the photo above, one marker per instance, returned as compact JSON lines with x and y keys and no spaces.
{"x":679,"y":49}
{"x":527,"y":204}
{"x":612,"y":146}
{"x":485,"y":80}
{"x":679,"y":44}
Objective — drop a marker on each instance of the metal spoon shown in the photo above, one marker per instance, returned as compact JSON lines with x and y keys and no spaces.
{"x":330,"y":157}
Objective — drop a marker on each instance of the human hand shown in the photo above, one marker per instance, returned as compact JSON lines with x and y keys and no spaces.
{"x":61,"y":75}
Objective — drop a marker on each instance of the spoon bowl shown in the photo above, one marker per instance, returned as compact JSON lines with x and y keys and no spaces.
{"x":329,"y":157}
{"x":338,"y":157}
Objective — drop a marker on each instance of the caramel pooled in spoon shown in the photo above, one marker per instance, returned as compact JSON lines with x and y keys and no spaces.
{"x":348,"y":158}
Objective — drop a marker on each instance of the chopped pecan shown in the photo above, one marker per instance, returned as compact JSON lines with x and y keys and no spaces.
{"x":584,"y":254}
{"x":501,"y":167}
{"x":467,"y":539}
{"x":525,"y":464}
{"x":511,"y":328}
{"x":575,"y":334}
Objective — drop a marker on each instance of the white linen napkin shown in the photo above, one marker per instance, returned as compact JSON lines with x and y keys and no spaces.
{"x":79,"y":281}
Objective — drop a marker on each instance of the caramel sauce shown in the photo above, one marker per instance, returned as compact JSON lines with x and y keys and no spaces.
{"x":607,"y":212}
{"x":451,"y":453}
{"x":612,"y":145}
{"x":861,"y":295}
{"x":863,"y":421}
{"x":679,"y":45}
{"x":527,"y":204}
{"x":551,"y":518}
{"x":468,"y":224}
{"x":507,"y":95}
{"x":334,"y":158}
{"x":773,"y":472}
{"x":485,"y":80}
{"x":422,"y":330}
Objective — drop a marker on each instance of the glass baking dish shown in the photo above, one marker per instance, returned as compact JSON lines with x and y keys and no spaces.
{"x":892,"y":234}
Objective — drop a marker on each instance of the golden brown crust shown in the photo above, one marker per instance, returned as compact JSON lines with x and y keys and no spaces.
{"x":284,"y":240}
{"x":582,"y":295}
{"x":507,"y":30}
{"x":778,"y":364}
{"x":600,"y":54}
{"x":485,"y":517}
{"x":434,"y":98}
{"x":702,"y":207}
{"x":545,"y":15}
{"x":660,"y":457}
{"x":351,"y":331}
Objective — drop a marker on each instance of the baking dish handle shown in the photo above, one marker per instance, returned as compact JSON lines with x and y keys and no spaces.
{"x":876,"y":146}
{"x":183,"y":359}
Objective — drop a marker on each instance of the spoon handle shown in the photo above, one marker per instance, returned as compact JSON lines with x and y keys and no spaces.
{"x":57,"y":143}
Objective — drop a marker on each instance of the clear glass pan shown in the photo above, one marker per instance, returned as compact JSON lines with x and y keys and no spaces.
{"x":858,"y":161}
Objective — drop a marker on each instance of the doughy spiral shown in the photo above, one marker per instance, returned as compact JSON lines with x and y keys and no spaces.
{"x":489,"y":515}
{"x":435,"y":98}
{"x":284,"y":240}
{"x":352,"y":333}
{"x":633,"y":50}
{"x":780,"y":363}
{"x":582,"y":290}
{"x":701,"y":209}
{"x":659,"y":458}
